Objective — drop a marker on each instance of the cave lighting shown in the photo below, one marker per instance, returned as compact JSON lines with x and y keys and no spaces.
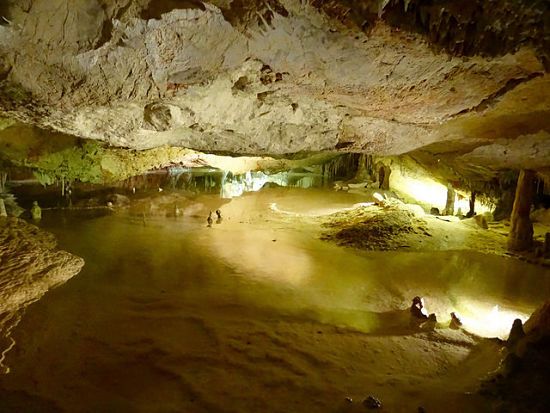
{"x":488,"y":321}
{"x":427,"y":191}
{"x":253,"y":181}
{"x":432,"y":193}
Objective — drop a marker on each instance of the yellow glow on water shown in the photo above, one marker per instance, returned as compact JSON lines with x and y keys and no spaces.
{"x":489,"y":321}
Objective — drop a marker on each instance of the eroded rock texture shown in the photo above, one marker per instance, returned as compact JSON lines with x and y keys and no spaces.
{"x":285,"y":76}
{"x":522,"y":381}
{"x":30,"y":265}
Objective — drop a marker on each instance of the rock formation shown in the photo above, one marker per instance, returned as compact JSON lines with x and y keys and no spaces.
{"x":521,"y":228}
{"x":284,"y":76}
{"x":521,"y":383}
{"x":30,"y":265}
{"x":101,"y":90}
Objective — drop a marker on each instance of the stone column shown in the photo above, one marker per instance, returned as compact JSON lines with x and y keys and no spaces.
{"x":472,"y":203}
{"x":362,"y":172}
{"x":384,"y":177}
{"x":450,"y":204}
{"x":3,"y":212}
{"x":520,"y":237}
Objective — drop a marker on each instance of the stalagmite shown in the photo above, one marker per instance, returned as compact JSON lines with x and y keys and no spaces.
{"x":3,"y":212}
{"x":36,"y":211}
{"x":520,"y":237}
{"x":3,"y":180}
{"x":384,"y":177}
{"x":450,"y":204}
{"x":472,"y":202}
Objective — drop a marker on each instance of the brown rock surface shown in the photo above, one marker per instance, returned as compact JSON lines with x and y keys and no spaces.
{"x":30,"y":265}
{"x":286,"y":76}
{"x":521,"y":384}
{"x":539,"y":323}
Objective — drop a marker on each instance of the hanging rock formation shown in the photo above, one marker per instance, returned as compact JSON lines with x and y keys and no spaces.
{"x":284,"y":76}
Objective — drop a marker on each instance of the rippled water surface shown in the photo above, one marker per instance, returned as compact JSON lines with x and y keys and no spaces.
{"x":254,"y":314}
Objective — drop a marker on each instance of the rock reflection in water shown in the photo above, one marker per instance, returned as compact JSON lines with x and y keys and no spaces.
{"x":253,"y":314}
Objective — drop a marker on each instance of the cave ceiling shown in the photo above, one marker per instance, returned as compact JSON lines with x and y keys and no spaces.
{"x":278,"y":77}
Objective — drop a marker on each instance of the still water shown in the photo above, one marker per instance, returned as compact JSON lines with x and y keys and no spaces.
{"x":254,"y":314}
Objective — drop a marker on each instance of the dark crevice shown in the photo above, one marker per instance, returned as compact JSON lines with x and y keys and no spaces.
{"x":107,"y":29}
{"x":243,"y":12}
{"x":120,"y":12}
{"x":157,"y":8}
{"x":462,"y":28}
{"x":477,"y":27}
{"x":106,"y":33}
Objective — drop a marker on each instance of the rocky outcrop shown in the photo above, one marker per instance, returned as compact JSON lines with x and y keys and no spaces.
{"x":68,"y":159}
{"x":30,"y":265}
{"x":522,"y":381}
{"x":280,"y":77}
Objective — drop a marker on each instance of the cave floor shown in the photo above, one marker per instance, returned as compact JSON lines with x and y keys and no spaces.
{"x":257,"y":314}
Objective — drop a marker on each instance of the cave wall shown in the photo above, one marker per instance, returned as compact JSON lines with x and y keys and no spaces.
{"x":424,"y":185}
{"x":274,"y":77}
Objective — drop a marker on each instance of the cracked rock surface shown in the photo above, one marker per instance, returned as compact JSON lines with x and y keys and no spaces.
{"x":281,"y":77}
{"x":30,"y":265}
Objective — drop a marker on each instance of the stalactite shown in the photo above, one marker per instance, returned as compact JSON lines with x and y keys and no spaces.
{"x":362,"y":168}
{"x":343,"y":166}
{"x":3,"y":212}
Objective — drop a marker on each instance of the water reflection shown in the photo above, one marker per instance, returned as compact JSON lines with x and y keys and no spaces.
{"x":169,"y":315}
{"x":282,"y":261}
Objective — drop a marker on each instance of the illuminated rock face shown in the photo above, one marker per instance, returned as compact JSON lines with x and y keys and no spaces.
{"x":30,"y":264}
{"x":520,"y":237}
{"x":282,"y":77}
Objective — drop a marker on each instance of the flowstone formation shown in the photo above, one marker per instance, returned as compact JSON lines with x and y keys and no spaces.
{"x":284,"y":76}
{"x":30,"y":265}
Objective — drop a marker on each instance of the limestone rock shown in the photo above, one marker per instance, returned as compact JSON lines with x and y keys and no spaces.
{"x":372,"y":403}
{"x":524,"y":374}
{"x":283,"y":77}
{"x":3,"y":212}
{"x":539,"y":323}
{"x":30,"y":265}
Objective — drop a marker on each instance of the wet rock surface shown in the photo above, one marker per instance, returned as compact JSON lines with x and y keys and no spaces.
{"x":521,"y":383}
{"x":372,"y":403}
{"x":30,"y":265}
